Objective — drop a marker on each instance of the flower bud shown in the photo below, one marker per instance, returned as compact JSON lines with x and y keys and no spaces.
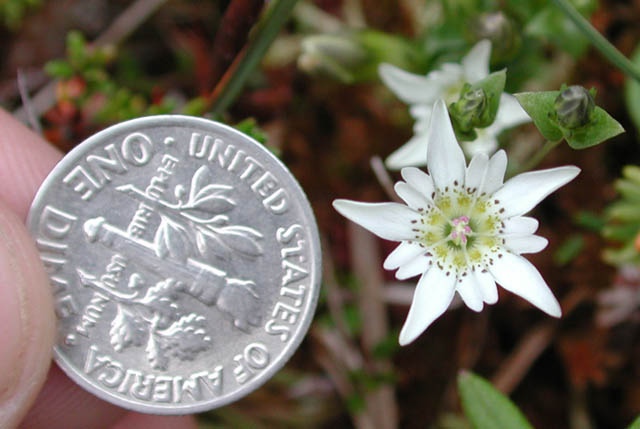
{"x":501,"y":31}
{"x":332,"y":56}
{"x":573,"y":107}
{"x":470,"y":111}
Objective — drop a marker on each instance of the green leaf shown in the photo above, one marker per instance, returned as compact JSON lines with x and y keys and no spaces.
{"x":635,"y":424}
{"x":601,"y":127}
{"x":539,"y":105}
{"x":569,"y":250}
{"x":76,"y":48}
{"x":60,"y":69}
{"x":628,"y":189}
{"x":551,"y":24}
{"x":487,"y":408}
{"x":250,"y":127}
{"x":632,"y":91}
{"x":625,"y":211}
{"x":590,"y":221}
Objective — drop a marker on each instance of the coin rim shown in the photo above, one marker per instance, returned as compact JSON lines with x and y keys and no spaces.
{"x":316,"y":261}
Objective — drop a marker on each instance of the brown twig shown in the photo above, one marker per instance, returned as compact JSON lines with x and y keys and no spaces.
{"x":233,"y":32}
{"x":518,"y":363}
{"x":366,"y":261}
{"x":119,"y":29}
{"x":383,"y":178}
{"x":335,"y":299}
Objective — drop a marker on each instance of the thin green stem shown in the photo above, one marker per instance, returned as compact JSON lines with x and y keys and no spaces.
{"x":264,"y":34}
{"x":536,"y":158}
{"x":599,"y":41}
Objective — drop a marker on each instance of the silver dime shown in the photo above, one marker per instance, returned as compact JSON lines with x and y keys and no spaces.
{"x":184,"y":262}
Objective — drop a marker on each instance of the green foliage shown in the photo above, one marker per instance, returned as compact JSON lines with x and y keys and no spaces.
{"x":251,"y":128}
{"x":589,"y":221}
{"x":486,"y":407}
{"x":541,"y":107}
{"x":553,"y":25}
{"x":569,"y":250}
{"x":635,"y":424}
{"x":632,"y":91}
{"x":87,"y":81}
{"x":623,"y":219}
{"x":477,"y":106}
{"x":354,"y":56}
{"x":13,"y":11}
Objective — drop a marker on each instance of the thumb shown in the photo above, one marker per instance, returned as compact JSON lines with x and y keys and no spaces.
{"x":27,"y":323}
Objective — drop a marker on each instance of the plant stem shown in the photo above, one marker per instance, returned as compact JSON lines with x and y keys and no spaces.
{"x":598,"y":40}
{"x":264,"y":33}
{"x":536,"y":158}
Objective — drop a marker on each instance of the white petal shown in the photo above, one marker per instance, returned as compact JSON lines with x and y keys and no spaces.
{"x":495,"y":172}
{"x":419,"y":180}
{"x":525,"y":243}
{"x":422,"y":114}
{"x":432,"y":297}
{"x":476,"y":62}
{"x":510,"y":114}
{"x":445,"y":159}
{"x":523,"y":192}
{"x":476,"y":172}
{"x":412,"y":153}
{"x":486,"y":143}
{"x":402,"y":254}
{"x":414,"y":199}
{"x":519,"y":276}
{"x":417,"y":266}
{"x":470,"y":292}
{"x":391,"y":221}
{"x":520,"y":225}
{"x":409,"y":87}
{"x":487,"y":286}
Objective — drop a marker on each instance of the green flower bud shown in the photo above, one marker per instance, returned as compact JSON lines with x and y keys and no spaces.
{"x":573,"y":107}
{"x":501,"y":31}
{"x":334,"y":56}
{"x":470,"y":111}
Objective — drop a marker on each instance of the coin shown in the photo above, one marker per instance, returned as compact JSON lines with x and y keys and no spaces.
{"x":184,"y":261}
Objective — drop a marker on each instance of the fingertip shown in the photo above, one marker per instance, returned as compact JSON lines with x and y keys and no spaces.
{"x":26,"y":160}
{"x":26,"y":315}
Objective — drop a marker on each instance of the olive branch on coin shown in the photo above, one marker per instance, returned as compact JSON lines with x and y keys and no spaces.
{"x":150,"y":314}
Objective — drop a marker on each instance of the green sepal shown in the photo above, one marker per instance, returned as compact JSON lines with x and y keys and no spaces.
{"x":540,"y":107}
{"x":601,"y":127}
{"x":493,"y":86}
{"x":486,"y":407}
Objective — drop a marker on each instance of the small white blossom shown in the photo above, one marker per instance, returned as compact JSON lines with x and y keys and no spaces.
{"x":462,"y":229}
{"x":420,"y":92}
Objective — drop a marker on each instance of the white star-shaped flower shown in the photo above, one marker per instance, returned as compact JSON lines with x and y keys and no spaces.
{"x":462,"y":229}
{"x":420,"y":92}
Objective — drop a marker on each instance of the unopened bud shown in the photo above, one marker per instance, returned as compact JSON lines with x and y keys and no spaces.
{"x":501,"y":31}
{"x":470,"y":111}
{"x":573,"y":107}
{"x":332,"y":56}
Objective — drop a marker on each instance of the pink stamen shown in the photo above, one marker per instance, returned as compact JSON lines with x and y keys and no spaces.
{"x":460,"y":229}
